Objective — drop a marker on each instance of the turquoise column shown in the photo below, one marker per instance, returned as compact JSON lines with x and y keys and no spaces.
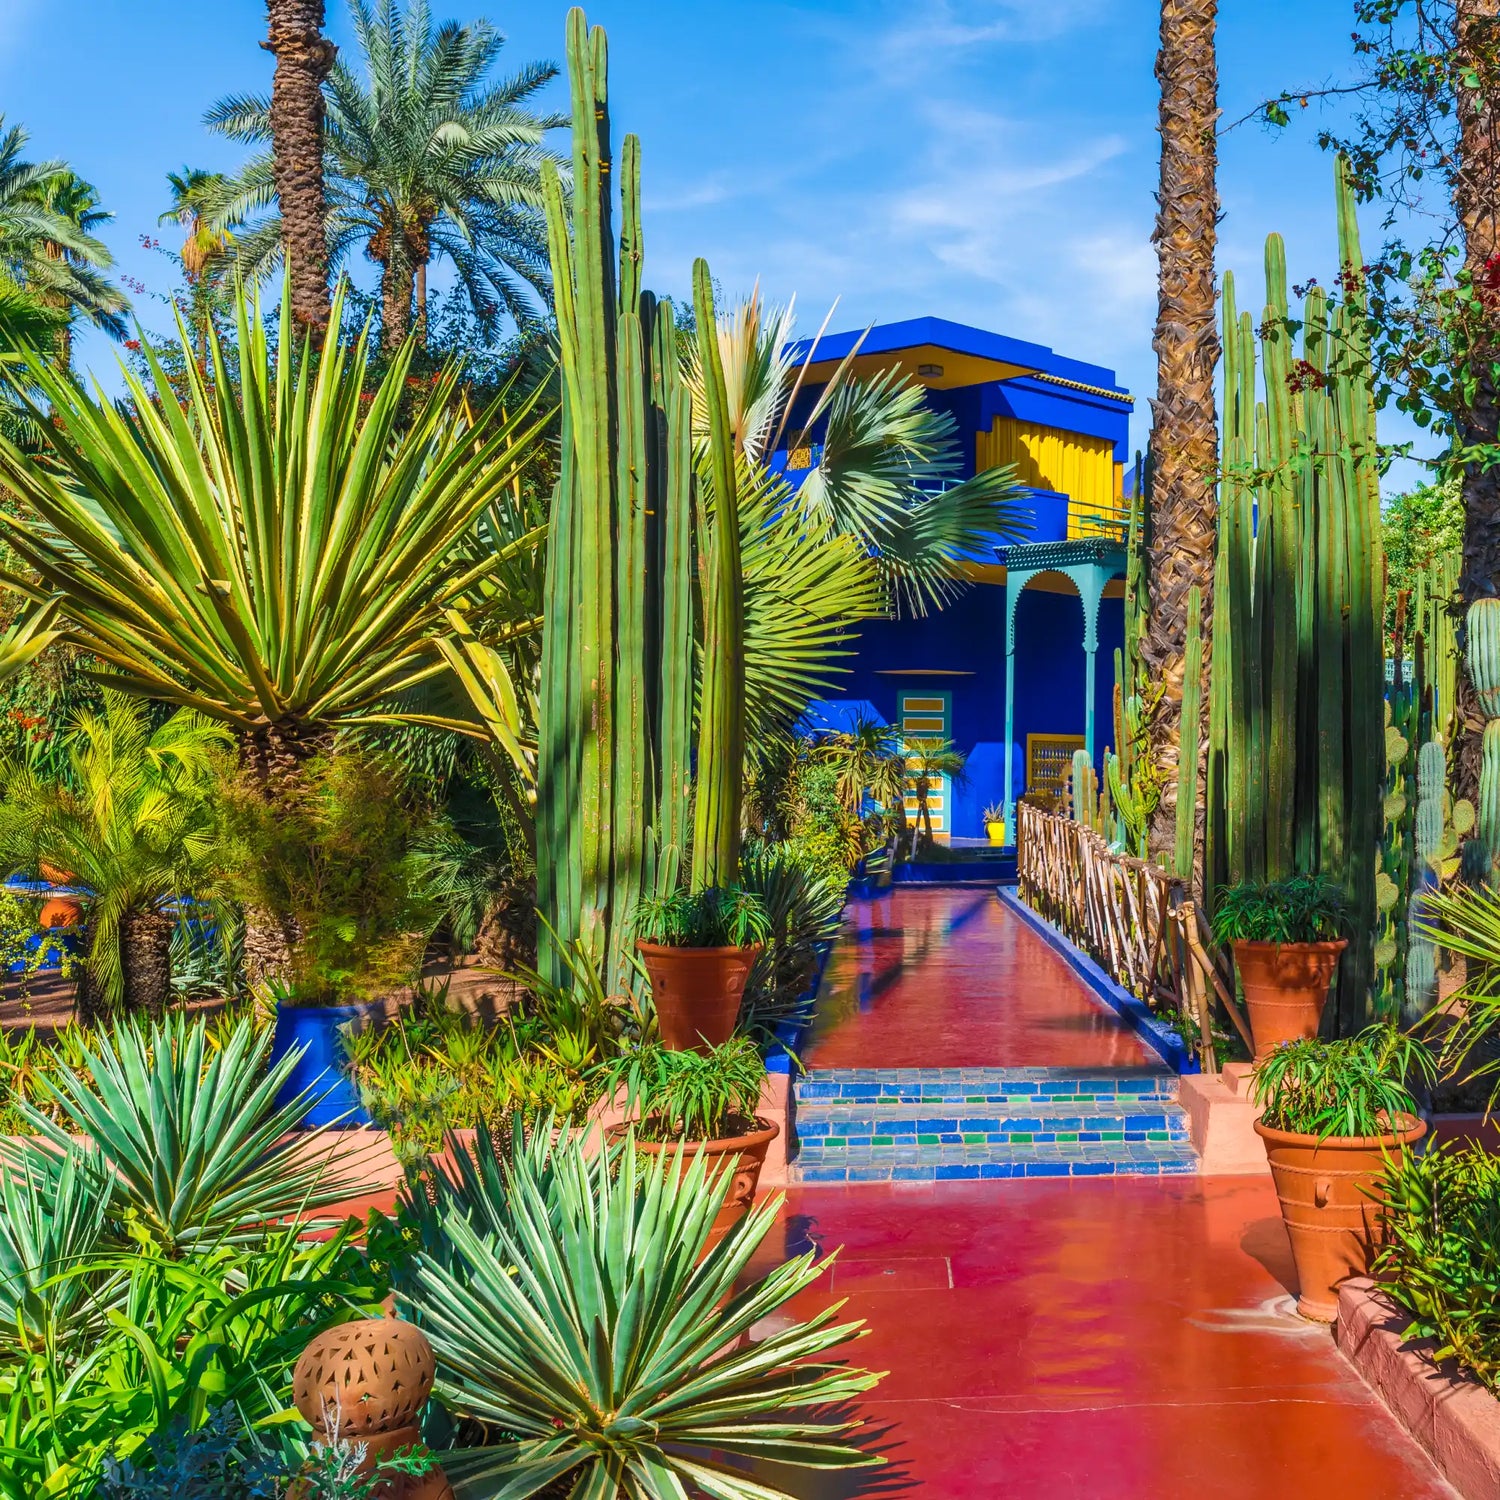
{"x":1015,"y":581}
{"x":1089,"y":579}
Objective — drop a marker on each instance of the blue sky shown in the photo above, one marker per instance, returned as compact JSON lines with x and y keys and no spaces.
{"x":991,"y":161}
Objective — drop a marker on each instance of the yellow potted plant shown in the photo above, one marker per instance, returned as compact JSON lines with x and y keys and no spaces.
{"x":994,"y":823}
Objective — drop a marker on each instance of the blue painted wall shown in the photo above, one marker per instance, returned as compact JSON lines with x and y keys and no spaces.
{"x":969,"y":637}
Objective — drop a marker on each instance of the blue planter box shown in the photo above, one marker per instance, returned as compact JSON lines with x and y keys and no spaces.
{"x":316,"y":1029}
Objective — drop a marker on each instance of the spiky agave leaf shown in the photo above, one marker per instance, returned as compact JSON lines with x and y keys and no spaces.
{"x":190,"y":1134}
{"x":588,"y":1324}
{"x":268,"y":549}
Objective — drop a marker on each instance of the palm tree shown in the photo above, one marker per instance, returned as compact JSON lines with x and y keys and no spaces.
{"x":423,"y":158}
{"x":927,"y":762}
{"x":132,"y":825}
{"x":279,"y":552}
{"x":869,"y":761}
{"x":294,"y":127}
{"x":196,"y":196}
{"x":47,"y":215}
{"x":1184,"y":430}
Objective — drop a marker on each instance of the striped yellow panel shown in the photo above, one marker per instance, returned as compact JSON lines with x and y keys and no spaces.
{"x":920,"y":726}
{"x":1050,"y":458}
{"x":922,"y":705}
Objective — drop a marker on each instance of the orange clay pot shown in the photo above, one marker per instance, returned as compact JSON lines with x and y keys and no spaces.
{"x":58,"y":911}
{"x":750,"y":1153}
{"x":697,"y":992}
{"x":1286,"y":985}
{"x":1333,"y":1217}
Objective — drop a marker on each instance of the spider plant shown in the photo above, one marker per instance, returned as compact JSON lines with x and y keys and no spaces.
{"x":714,"y":917}
{"x":690,"y":1096}
{"x":1354,"y":1087}
{"x":588,"y":1318}
{"x":189,"y":1132}
{"x":1299,"y":909}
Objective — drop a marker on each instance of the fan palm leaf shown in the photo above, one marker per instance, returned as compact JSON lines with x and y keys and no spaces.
{"x":278,"y":550}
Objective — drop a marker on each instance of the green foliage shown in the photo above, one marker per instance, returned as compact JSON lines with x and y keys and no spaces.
{"x":26,"y":949}
{"x":717,"y":917}
{"x":1299,"y":909}
{"x":1441,"y":1256}
{"x":132,"y":822}
{"x":803,"y":906}
{"x":1357,"y":1086}
{"x":689,"y":1096}
{"x":187,"y":1129}
{"x":588,"y":1319}
{"x":868,"y":764}
{"x":1419,"y":527}
{"x":1466,"y":921}
{"x":337,"y":859}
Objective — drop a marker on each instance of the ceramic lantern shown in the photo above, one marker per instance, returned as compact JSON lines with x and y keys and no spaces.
{"x":367,"y":1382}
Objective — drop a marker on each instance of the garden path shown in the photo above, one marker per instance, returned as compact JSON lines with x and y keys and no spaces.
{"x":948,"y":978}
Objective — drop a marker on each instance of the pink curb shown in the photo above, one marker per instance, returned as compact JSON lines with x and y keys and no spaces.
{"x":1451,"y":1415}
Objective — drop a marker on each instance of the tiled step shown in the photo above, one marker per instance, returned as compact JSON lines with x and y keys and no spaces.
{"x":999,"y":1086}
{"x":988,"y":1163}
{"x":916,"y":1124}
{"x":836,"y":1126}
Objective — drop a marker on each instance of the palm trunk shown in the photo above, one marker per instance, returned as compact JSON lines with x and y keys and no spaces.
{"x":146,"y":960}
{"x":1477,"y":199}
{"x":273,"y":757}
{"x":395,"y":299}
{"x":303,"y":59}
{"x":421,"y":317}
{"x":1184,"y":432}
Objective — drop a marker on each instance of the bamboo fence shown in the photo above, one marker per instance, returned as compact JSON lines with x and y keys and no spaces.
{"x":1131,"y":917}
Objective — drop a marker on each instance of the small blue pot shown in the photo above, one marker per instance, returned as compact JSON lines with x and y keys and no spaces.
{"x":315,"y":1028}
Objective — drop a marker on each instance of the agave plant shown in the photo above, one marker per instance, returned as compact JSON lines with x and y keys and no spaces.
{"x":586,"y":1318}
{"x":278,"y":543}
{"x":190,"y":1135}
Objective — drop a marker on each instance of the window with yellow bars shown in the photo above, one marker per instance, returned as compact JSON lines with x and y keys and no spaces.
{"x":1069,"y":463}
{"x":927,"y":716}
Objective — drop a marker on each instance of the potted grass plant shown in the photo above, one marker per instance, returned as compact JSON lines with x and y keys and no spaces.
{"x":1287,"y":938}
{"x":704,"y":1102}
{"x":1334,"y":1114}
{"x":698,"y":948}
{"x":994,"y":823}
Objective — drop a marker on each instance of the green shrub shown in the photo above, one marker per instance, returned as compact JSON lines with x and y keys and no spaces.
{"x":803,"y":904}
{"x":689,"y":1096}
{"x":1441,"y":1260}
{"x":1300,"y":909}
{"x":338,"y":861}
{"x":1353,"y":1087}
{"x":719,"y":917}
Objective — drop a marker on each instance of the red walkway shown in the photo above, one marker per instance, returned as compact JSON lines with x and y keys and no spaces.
{"x":1125,"y":1340}
{"x":949,"y":979}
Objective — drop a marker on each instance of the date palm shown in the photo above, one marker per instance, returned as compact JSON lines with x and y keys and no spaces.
{"x":869,"y":763}
{"x":47,"y":215}
{"x":928,"y":761}
{"x":196,"y":196}
{"x":1184,"y":431}
{"x":294,"y":127}
{"x":132,"y":825}
{"x":425,"y":157}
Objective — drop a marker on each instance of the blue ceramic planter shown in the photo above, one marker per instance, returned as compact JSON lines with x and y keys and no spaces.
{"x":315,"y":1028}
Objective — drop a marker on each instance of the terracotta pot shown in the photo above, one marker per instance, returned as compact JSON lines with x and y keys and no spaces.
{"x":58,"y":911}
{"x":1327,"y":1192}
{"x":750,"y":1149}
{"x":1286,"y":985}
{"x":697,"y":992}
{"x":367,"y":1382}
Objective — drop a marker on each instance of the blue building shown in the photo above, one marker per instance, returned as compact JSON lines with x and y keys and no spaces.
{"x":1018,"y":670}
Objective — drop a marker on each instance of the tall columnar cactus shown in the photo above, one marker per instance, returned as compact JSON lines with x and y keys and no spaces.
{"x":1297,"y":708}
{"x":1085,"y":791}
{"x":1187,"y":761}
{"x":1482,"y":627}
{"x":616,"y":699}
{"x":1487,"y":825}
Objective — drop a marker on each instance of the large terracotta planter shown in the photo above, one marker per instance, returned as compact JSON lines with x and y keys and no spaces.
{"x":1286,"y":986}
{"x":1333,"y":1217}
{"x":697,"y":992}
{"x":750,"y":1153}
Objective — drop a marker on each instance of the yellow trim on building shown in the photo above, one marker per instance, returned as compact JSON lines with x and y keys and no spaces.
{"x":1070,"y":463}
